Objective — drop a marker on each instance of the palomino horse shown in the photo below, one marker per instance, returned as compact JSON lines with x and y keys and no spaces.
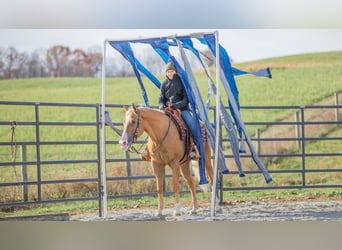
{"x":166,"y":148}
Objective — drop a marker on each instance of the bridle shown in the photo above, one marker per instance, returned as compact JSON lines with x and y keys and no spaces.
{"x":136,"y":132}
{"x":131,"y":148}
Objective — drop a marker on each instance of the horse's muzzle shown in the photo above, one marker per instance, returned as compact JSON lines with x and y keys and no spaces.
{"x":124,"y":142}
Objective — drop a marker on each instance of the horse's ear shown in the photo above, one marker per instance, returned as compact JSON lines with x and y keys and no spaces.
{"x":125,"y":107}
{"x":134,"y":108}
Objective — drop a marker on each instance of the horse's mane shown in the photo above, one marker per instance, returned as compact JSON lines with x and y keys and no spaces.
{"x":149,"y":108}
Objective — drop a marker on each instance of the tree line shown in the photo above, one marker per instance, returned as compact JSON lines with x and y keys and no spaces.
{"x":61,"y":61}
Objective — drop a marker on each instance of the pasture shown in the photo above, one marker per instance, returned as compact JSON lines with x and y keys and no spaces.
{"x":297,"y":80}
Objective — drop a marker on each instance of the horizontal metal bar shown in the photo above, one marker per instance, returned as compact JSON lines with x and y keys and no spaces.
{"x":48,"y":162}
{"x":48,"y":104}
{"x":20,"y":123}
{"x":29,"y":183}
{"x":279,"y":187}
{"x":25,"y":203}
{"x":291,"y":107}
{"x":48,"y":143}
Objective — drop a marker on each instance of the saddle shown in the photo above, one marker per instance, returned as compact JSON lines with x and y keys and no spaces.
{"x":185,"y":133}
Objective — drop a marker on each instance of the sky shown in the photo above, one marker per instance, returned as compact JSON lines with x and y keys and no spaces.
{"x":243,"y":45}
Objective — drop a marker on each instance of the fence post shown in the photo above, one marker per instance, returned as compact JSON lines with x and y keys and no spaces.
{"x":128,"y":164}
{"x":257,"y":137}
{"x":128,"y":168}
{"x":24,"y":171}
{"x":337,"y":111}
{"x":297,"y":130}
{"x":39,"y":180}
{"x":303,"y":145}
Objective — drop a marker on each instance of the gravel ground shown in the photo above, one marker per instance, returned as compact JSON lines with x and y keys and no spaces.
{"x":249,"y":211}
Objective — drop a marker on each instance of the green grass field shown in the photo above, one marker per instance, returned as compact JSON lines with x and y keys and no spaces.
{"x":297,"y":80}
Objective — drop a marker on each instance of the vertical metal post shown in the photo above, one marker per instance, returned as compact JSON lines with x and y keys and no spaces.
{"x":297,"y":130}
{"x":98,"y":139}
{"x":217,"y":62}
{"x":337,"y":111}
{"x":128,"y":167}
{"x":303,"y":145}
{"x":258,"y":144}
{"x":24,"y":171}
{"x":220,"y":176}
{"x":128,"y":164}
{"x":103,"y":134}
{"x":39,"y":188}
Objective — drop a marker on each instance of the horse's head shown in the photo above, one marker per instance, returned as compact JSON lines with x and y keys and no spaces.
{"x":131,"y":127}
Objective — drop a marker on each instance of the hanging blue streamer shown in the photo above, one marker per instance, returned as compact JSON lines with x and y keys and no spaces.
{"x":234,"y":104}
{"x":209,"y":40}
{"x":266,"y":72}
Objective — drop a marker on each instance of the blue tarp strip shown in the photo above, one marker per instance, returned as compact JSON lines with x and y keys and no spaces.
{"x":228,"y":79}
{"x":225,"y":118}
{"x":266,"y":72}
{"x":200,"y":104}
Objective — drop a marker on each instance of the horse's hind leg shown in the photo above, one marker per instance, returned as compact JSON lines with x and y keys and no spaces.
{"x":186,"y":173}
{"x":159,"y":173}
{"x":208,"y":165}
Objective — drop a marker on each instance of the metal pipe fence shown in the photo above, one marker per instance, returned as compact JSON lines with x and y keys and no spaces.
{"x":35,"y":161}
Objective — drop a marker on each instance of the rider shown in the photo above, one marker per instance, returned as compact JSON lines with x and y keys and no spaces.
{"x":172,"y":92}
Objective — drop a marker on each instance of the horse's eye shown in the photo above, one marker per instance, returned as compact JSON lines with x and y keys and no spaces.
{"x":133,"y":122}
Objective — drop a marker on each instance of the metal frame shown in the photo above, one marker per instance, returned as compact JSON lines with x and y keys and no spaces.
{"x":192,"y":35}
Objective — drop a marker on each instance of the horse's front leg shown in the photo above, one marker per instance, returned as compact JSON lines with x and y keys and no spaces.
{"x":175,"y":179}
{"x":159,"y":174}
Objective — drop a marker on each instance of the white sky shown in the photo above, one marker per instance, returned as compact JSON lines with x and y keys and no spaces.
{"x":242,"y":44}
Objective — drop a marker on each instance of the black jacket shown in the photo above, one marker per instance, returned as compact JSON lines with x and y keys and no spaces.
{"x":173,"y":91}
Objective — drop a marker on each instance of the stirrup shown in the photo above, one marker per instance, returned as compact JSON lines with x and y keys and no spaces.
{"x":194,"y":154}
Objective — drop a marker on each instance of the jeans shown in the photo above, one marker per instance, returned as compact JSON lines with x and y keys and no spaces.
{"x":190,"y":121}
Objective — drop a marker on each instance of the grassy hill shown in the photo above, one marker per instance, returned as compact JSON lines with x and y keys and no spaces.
{"x":297,"y":80}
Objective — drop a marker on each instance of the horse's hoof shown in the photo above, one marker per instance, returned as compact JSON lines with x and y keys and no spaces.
{"x":159,"y":214}
{"x":192,"y":212}
{"x":219,"y":210}
{"x":176,"y":213}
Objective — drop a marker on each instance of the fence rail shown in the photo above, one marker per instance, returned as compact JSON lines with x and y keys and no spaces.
{"x":33,"y":157}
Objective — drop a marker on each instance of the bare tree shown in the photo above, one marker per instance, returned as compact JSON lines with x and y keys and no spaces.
{"x":56,"y":59}
{"x":37,"y":65}
{"x":2,"y":63}
{"x":12,"y":63}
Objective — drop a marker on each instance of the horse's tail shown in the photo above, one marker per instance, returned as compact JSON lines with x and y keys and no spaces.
{"x":195,"y":169}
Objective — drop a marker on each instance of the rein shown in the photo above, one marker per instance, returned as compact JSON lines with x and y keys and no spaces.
{"x":165,"y":135}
